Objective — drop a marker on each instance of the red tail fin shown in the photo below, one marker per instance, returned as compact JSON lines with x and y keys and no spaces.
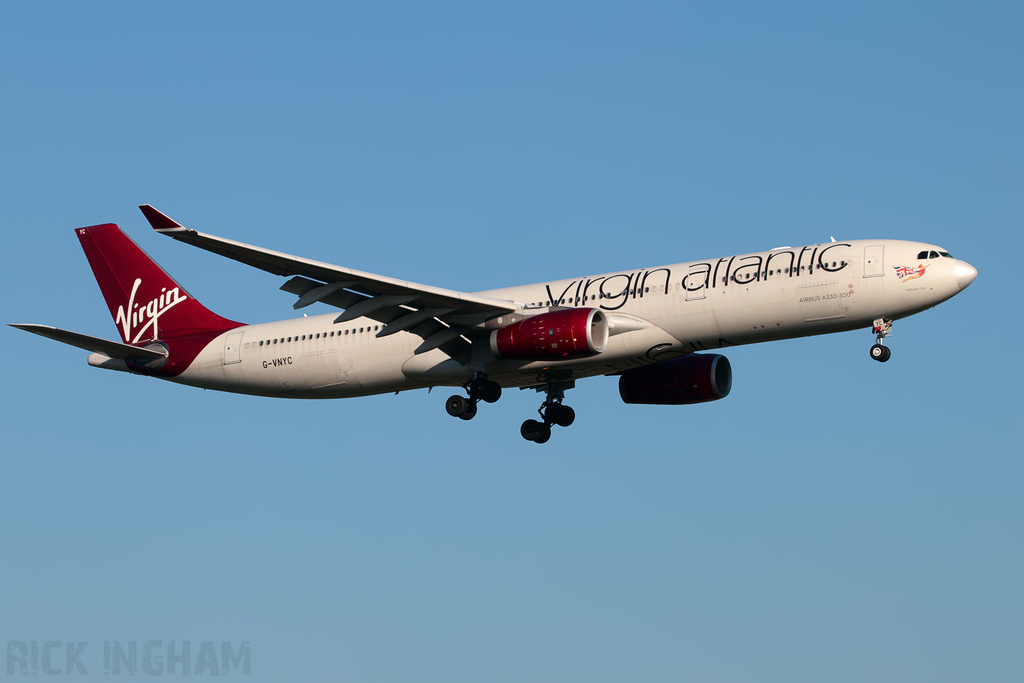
{"x":145,"y":302}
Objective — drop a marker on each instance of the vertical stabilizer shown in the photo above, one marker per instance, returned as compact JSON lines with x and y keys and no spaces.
{"x":145,"y":302}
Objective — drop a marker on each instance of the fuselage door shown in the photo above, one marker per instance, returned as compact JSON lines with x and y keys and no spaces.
{"x":873,"y":260}
{"x":696,"y":281}
{"x":233,"y":348}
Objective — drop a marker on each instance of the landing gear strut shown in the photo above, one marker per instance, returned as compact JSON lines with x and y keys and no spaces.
{"x":479,"y":389}
{"x":553,"y":411}
{"x":882,"y":329}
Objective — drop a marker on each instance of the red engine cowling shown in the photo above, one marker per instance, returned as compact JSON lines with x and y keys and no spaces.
{"x":558,"y":335}
{"x":696,"y":378}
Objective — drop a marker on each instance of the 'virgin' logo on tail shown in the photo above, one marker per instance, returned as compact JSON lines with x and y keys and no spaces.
{"x":145,"y":315}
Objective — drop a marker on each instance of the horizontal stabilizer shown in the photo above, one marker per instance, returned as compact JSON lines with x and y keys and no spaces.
{"x":94,"y":344}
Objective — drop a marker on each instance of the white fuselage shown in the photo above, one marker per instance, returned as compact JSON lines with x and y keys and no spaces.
{"x":653,"y":313}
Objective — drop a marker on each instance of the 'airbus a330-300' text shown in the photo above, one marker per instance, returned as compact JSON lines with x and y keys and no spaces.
{"x":652,"y":327}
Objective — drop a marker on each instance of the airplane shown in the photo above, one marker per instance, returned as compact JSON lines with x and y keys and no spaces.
{"x":652,"y":327}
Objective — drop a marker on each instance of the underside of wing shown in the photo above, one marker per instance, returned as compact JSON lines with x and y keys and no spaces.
{"x":443,"y":318}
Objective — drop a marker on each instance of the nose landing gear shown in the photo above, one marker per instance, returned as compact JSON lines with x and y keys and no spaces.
{"x":882,"y":329}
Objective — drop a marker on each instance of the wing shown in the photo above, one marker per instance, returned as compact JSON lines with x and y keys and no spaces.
{"x":443,"y":318}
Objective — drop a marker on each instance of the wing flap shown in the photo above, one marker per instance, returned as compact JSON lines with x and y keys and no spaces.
{"x":320,"y":293}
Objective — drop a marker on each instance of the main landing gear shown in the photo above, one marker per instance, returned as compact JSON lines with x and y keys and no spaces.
{"x":882,"y":329}
{"x":479,"y":389}
{"x":553,"y":411}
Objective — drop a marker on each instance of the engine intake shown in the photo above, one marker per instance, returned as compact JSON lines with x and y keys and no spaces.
{"x":696,"y":378}
{"x":558,"y":335}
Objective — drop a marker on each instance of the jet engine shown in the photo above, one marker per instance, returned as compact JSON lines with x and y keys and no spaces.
{"x":557,"y":335}
{"x":696,"y":378}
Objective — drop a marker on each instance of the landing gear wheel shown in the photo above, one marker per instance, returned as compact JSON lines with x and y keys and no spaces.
{"x":559,"y":414}
{"x":477,"y":388}
{"x":568,"y":416}
{"x":470,"y":412}
{"x":882,"y":328}
{"x":493,"y":392}
{"x":483,"y":389}
{"x":544,"y":435}
{"x":456,"y":405}
{"x":531,"y":429}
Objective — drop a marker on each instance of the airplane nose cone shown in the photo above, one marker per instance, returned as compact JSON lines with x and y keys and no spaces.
{"x":965,"y":274}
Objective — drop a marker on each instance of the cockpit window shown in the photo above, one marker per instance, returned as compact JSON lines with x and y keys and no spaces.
{"x":923,"y":255}
{"x":933,"y":254}
{"x":946,"y":254}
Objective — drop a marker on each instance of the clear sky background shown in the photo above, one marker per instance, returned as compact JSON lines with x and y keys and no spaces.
{"x":832,"y":519}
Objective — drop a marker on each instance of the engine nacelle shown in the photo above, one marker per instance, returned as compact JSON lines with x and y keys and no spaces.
{"x":558,"y":335}
{"x":696,"y":378}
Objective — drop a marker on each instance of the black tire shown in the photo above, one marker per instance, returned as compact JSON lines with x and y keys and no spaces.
{"x":566,"y":417}
{"x":470,"y":412}
{"x":879,"y":353}
{"x":560,"y":414}
{"x":456,"y":405}
{"x":478,"y":388}
{"x":544,"y":435}
{"x":493,"y":392}
{"x":531,"y":429}
{"x":887,"y":355}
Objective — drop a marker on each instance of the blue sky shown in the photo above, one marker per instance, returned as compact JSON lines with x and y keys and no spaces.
{"x":832,"y":519}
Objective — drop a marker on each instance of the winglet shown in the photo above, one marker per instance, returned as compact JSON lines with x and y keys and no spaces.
{"x":157,"y":219}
